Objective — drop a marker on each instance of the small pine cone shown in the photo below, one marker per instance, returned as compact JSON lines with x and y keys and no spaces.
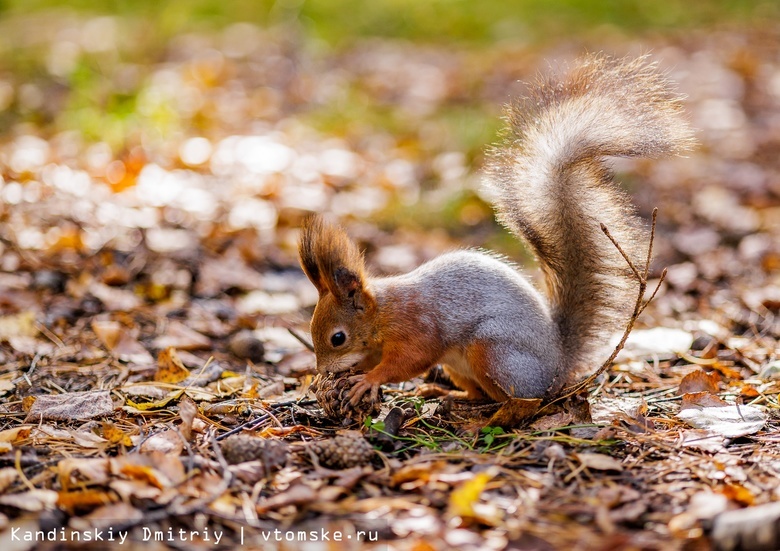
{"x":242,"y":447}
{"x":345,"y":450}
{"x":332,"y":396}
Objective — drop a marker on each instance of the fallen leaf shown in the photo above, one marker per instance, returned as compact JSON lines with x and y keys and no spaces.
{"x":71,"y":406}
{"x":187,"y":411}
{"x":18,"y":325}
{"x":701,"y":400}
{"x":169,"y":367}
{"x":33,"y":500}
{"x":108,"y":332}
{"x":463,"y":498}
{"x":73,"y":470}
{"x":106,"y":516}
{"x":166,"y":441}
{"x":554,"y":421}
{"x":661,"y":341}
{"x":159,"y":404}
{"x":702,"y":440}
{"x":115,"y":435}
{"x":6,"y":386}
{"x":8,"y":476}
{"x":749,"y":528}
{"x":730,"y":421}
{"x":738,"y":494}
{"x":699,"y":381}
{"x":300,"y":494}
{"x":14,"y":434}
{"x":514,"y":411}
{"x":178,"y":335}
{"x":605,"y":410}
{"x":599,"y":461}
{"x":84,"y":499}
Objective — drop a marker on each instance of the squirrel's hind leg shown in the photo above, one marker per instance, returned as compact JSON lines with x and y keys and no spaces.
{"x":517,"y":372}
{"x":470,"y":369}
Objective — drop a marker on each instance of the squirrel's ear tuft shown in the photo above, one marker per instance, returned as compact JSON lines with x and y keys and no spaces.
{"x":331,"y":260}
{"x":307,"y":250}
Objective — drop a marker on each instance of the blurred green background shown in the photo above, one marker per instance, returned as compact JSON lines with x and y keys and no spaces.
{"x":421,"y":82}
{"x":338,"y":22}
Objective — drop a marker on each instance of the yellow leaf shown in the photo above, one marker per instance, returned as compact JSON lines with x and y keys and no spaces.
{"x":18,"y":325}
{"x":159,"y":404}
{"x":170,"y":368}
{"x":14,"y":434}
{"x":86,"y":499}
{"x":462,"y":499}
{"x":115,"y":435}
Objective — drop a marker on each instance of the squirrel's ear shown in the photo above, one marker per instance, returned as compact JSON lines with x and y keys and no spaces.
{"x":307,"y":250}
{"x":332,"y":261}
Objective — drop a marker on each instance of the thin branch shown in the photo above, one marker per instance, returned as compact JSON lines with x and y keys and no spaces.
{"x":650,"y":247}
{"x":621,"y":251}
{"x":657,"y":287}
{"x":302,"y":339}
{"x":639,"y":307}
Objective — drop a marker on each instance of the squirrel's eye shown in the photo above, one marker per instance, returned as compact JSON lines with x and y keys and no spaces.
{"x":338,"y":338}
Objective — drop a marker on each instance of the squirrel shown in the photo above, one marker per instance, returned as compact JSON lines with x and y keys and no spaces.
{"x":496,"y":335}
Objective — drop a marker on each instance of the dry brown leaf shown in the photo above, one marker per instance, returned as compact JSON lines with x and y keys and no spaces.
{"x":701,"y":400}
{"x":599,"y":461}
{"x":515,"y":411}
{"x":106,"y":516}
{"x":165,"y":441}
{"x":109,"y":332}
{"x":33,"y":500}
{"x":18,"y":325}
{"x":75,"y":470}
{"x":147,"y":474}
{"x":6,"y":386}
{"x":554,"y":421}
{"x":85,"y":499}
{"x":15,"y":434}
{"x":300,"y":494}
{"x":71,"y":406}
{"x":170,"y":369}
{"x":178,"y":335}
{"x":88,"y":439}
{"x":115,"y":299}
{"x":416,"y":472}
{"x":8,"y":476}
{"x":699,"y":381}
{"x":187,"y":411}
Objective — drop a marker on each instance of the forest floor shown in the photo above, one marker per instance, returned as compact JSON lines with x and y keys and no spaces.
{"x":151,"y":302}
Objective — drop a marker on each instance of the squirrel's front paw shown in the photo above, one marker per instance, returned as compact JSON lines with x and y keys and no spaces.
{"x":361,"y":387}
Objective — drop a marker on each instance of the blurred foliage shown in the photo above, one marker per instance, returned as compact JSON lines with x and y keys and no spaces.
{"x":417,"y":110}
{"x":340,"y":21}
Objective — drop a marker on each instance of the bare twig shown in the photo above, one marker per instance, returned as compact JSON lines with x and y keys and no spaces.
{"x":639,"y":307}
{"x":302,"y":339}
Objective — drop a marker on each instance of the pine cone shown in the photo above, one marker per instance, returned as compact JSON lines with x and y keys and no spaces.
{"x":345,"y":450}
{"x":242,"y":447}
{"x":331,"y":392}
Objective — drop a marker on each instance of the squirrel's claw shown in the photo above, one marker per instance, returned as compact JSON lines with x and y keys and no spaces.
{"x":361,"y":387}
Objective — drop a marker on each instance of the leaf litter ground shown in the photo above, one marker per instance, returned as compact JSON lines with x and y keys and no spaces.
{"x":153,"y":374}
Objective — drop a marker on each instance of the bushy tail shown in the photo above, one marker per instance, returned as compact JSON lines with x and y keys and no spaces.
{"x":554,"y":189}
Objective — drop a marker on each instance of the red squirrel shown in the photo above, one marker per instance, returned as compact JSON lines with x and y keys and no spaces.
{"x":495,"y":333}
